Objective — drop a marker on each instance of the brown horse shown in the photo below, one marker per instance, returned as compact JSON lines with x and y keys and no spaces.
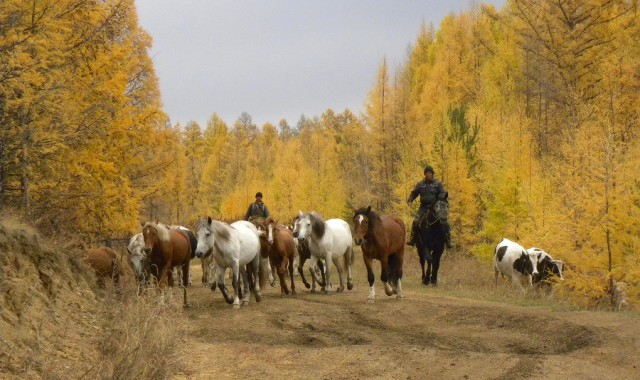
{"x":167,"y":249}
{"x":281,"y":250}
{"x":104,"y":263}
{"x":381,"y":239}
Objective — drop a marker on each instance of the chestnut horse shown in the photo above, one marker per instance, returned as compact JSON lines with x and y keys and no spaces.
{"x":167,"y":249}
{"x":281,"y":250}
{"x":104,"y":263}
{"x":381,"y":239}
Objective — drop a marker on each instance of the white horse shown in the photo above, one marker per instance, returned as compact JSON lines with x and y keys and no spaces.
{"x":329,"y":241}
{"x":138,"y":259}
{"x":232,"y":246}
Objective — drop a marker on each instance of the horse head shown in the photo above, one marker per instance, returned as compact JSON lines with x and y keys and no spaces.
{"x":361,"y":224}
{"x":302,"y":227}
{"x":138,"y":259}
{"x":270,"y":226}
{"x":153,"y":236}
{"x":205,"y":237}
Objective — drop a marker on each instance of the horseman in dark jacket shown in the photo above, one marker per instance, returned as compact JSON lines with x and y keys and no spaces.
{"x":431,"y":192}
{"x":257,"y":210}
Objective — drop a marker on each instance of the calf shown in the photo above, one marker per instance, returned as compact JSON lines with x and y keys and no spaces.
{"x":511,"y":259}
{"x":548,"y":268}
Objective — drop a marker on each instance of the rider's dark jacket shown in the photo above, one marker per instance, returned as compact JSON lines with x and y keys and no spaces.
{"x":256,"y":210}
{"x":429,"y":192}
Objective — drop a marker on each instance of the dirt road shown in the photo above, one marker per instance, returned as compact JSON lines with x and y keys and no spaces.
{"x":429,"y":333}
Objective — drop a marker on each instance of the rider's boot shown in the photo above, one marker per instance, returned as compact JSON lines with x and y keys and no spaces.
{"x":412,"y":239}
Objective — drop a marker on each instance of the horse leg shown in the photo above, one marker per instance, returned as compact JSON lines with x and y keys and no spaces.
{"x":327,"y":271}
{"x":185,"y":280}
{"x":301,"y":272}
{"x":272,"y":274}
{"x":255,"y":264}
{"x":384,"y":275}
{"x":436,"y":266}
{"x":246,"y":293}
{"x":282,"y":271}
{"x":347,"y":262}
{"x":399,"y":264}
{"x":427,"y":274}
{"x":321,"y":265}
{"x":235,"y":281}
{"x":371,"y":278}
{"x":312,"y":270}
{"x":338,"y":264}
{"x":422,"y":263}
{"x":290,"y":268}
{"x":223,"y":289}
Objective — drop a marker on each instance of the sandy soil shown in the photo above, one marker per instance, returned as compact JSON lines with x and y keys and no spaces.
{"x":429,"y":333}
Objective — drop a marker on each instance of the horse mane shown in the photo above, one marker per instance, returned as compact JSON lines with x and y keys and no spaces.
{"x":317,"y":224}
{"x":221,"y":229}
{"x":161,"y":231}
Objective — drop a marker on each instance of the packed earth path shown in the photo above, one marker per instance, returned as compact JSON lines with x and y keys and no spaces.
{"x":432,"y":332}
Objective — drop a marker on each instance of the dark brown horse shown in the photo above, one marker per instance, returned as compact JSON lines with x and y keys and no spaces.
{"x":281,"y":250}
{"x":304,"y":254}
{"x":167,"y":249}
{"x":104,"y":262}
{"x":381,"y":239}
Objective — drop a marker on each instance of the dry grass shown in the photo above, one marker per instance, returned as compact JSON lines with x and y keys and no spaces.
{"x":141,"y":337}
{"x":55,"y":323}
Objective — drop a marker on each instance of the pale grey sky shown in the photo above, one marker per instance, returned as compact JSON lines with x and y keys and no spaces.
{"x":279,"y":59}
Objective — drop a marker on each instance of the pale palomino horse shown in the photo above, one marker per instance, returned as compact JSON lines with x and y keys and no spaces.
{"x":138,"y":260}
{"x":233,"y":246}
{"x":329,"y":241}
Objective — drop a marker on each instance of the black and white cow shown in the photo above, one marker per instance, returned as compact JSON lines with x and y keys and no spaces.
{"x":511,"y":259}
{"x":548,"y":269}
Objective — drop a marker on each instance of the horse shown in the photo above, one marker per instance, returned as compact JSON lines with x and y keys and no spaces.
{"x":329,"y":240}
{"x":232,"y":246}
{"x":104,"y":262}
{"x":382,"y":239}
{"x":281,"y":250}
{"x":430,"y":242}
{"x":304,"y":254}
{"x":166,"y":249}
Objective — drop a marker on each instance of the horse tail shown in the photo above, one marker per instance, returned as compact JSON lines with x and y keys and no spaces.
{"x":263,"y":272}
{"x":349,"y":257}
{"x":193,"y":242}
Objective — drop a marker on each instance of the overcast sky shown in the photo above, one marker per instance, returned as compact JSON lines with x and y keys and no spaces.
{"x":279,"y":59}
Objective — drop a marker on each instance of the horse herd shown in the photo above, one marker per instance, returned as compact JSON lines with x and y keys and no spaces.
{"x":258,"y":250}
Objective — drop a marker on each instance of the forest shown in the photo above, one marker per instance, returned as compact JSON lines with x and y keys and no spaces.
{"x":528,"y":114}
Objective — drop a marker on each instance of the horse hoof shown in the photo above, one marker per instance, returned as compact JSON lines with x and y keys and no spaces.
{"x":308,"y":286}
{"x":399,"y":297}
{"x":340,"y":289}
{"x":245,"y":303}
{"x":350,"y":286}
{"x":371,"y":300}
{"x":236,"y":306}
{"x":258,"y":298}
{"x":388,"y":292}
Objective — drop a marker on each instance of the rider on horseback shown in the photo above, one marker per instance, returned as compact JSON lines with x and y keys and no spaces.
{"x":431,"y":193}
{"x":257,"y":211}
